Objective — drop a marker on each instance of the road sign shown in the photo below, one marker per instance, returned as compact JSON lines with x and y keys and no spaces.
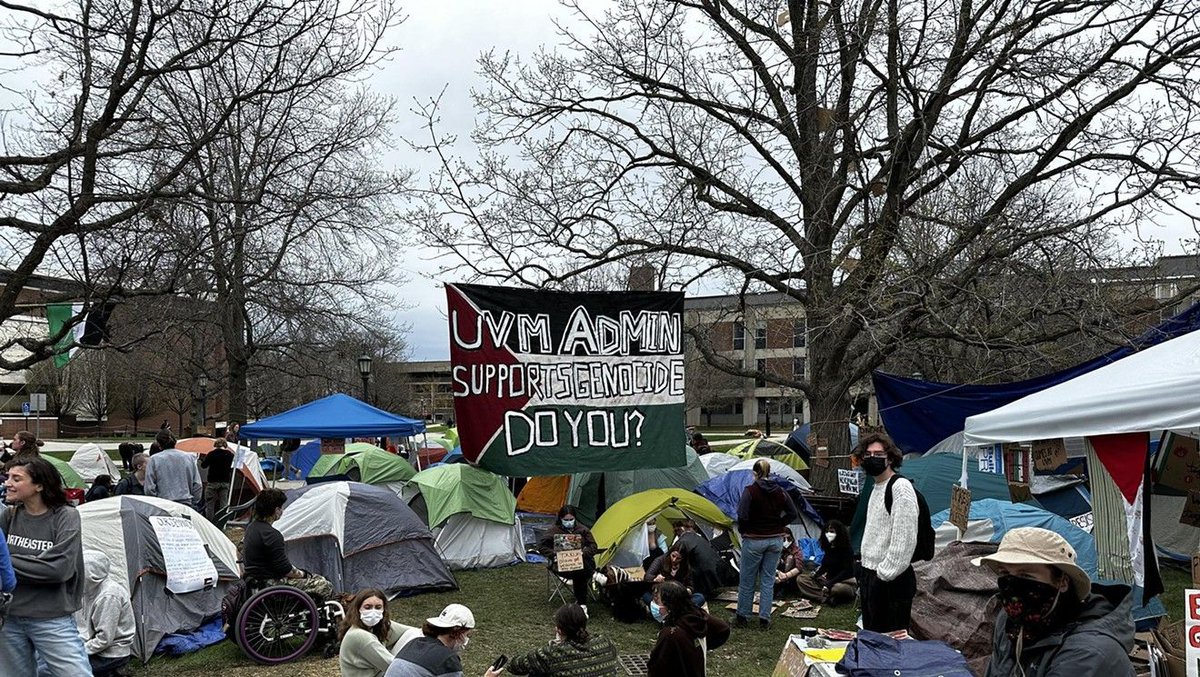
{"x":25,"y":409}
{"x":38,"y":401}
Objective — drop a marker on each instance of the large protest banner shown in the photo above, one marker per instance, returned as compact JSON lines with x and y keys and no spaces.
{"x":548,"y":383}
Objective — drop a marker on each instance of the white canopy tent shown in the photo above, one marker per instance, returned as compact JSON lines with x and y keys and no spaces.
{"x":1155,"y":389}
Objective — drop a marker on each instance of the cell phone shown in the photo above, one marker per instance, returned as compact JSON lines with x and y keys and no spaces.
{"x":500,"y":662}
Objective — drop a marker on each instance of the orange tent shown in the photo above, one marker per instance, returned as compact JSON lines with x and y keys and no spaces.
{"x":544,"y":494}
{"x":251,"y":483}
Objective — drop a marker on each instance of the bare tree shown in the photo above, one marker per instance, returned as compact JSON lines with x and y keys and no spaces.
{"x":93,"y":386}
{"x":871,"y":159}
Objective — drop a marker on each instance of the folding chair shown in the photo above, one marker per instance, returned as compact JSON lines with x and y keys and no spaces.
{"x":556,"y":587}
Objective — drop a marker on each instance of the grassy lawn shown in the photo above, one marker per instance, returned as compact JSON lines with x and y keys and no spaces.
{"x":513,"y":616}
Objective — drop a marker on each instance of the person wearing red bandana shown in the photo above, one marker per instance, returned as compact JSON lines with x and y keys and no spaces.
{"x":1053,"y":621}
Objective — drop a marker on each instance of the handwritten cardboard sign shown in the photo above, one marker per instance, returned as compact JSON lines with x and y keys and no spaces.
{"x":569,"y":560}
{"x":850,"y":481}
{"x":1049,"y":454}
{"x":1191,"y":510}
{"x":820,"y":449}
{"x":960,"y":506}
{"x":1180,"y":469}
{"x":331,"y":446}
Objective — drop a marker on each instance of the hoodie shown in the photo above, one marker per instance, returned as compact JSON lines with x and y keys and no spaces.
{"x":765,"y":510}
{"x":106,"y":620}
{"x":680,"y":650}
{"x":1096,"y":644}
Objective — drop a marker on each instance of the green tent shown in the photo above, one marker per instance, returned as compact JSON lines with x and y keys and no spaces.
{"x":765,"y":447}
{"x":584,"y":491}
{"x":364,"y":463}
{"x":457,"y":487}
{"x":71,"y":479}
{"x":628,"y":514}
{"x":934,"y":475}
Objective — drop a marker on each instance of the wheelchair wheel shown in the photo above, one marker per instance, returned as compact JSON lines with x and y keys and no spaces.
{"x":277,"y":625}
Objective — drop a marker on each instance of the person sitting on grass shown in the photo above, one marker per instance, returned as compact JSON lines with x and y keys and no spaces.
{"x":435,"y":653}
{"x":833,"y":582}
{"x":688,"y":633}
{"x":102,"y":487}
{"x":573,"y":653}
{"x":672,"y":566}
{"x":369,"y":638}
{"x":105,"y":621}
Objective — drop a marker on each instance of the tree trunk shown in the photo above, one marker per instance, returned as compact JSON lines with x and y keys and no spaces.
{"x":830,"y":419}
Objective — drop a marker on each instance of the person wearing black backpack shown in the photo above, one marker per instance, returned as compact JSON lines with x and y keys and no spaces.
{"x":886,"y":581}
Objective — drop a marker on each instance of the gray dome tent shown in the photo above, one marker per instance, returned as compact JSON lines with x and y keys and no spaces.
{"x":361,"y":536}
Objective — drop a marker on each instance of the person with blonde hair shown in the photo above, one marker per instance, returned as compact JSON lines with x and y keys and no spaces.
{"x":369,"y":638}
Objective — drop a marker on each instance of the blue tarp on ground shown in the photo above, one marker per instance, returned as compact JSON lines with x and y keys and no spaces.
{"x":337,"y":416}
{"x":919,"y":414}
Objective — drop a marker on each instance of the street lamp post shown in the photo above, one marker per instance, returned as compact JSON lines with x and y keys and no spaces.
{"x":202,"y":381}
{"x":768,"y":417}
{"x":364,"y":370}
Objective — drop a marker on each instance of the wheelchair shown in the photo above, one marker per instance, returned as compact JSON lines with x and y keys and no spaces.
{"x":278,"y":623}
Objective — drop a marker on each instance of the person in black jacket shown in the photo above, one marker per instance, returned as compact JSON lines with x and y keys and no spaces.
{"x":265,"y":553}
{"x":688,"y":632}
{"x":567,"y":524}
{"x":833,"y":582}
{"x":102,"y":487}
{"x":132,"y":483}
{"x":219,"y":464}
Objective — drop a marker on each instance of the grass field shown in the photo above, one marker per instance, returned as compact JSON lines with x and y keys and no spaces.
{"x":513,"y":616}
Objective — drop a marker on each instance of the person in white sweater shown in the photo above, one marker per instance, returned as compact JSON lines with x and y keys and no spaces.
{"x":887,"y":583}
{"x":369,"y":638}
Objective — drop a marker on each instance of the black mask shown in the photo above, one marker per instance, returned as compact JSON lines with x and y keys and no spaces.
{"x":874,"y":465}
{"x":1033,"y":607}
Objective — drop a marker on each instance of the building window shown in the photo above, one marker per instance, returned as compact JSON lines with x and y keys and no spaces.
{"x":760,"y":337}
{"x":761,"y":366}
{"x":737,"y":406}
{"x":799,"y":328}
{"x":739,"y":336}
{"x":798,"y":364}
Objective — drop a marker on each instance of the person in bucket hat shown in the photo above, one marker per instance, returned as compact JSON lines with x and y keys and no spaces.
{"x":1053,"y":620}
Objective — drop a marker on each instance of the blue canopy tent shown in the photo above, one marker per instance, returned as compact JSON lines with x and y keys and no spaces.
{"x":337,"y":416}
{"x":918,"y":414}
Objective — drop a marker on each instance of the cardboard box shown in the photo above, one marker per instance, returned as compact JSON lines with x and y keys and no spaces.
{"x":1196,"y":569}
{"x":791,"y":661}
{"x":1169,"y":637}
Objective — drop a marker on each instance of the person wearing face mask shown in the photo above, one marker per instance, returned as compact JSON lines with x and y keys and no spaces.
{"x":435,"y":653}
{"x":764,"y":513}
{"x":687,"y":635}
{"x":1053,"y":620}
{"x":886,"y":579}
{"x":833,"y":582}
{"x":369,"y":638}
{"x":574,"y":652}
{"x":567,"y":524}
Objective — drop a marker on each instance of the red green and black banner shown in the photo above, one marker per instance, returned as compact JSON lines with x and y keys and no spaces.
{"x":549,"y":383}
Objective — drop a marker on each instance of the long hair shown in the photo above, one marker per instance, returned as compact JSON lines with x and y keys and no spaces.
{"x":676,"y":600}
{"x":567,"y":509}
{"x":684,"y":568}
{"x":41,"y":472}
{"x":30,"y":442}
{"x":842,"y":542}
{"x":353,"y":617}
{"x":572,"y":621}
{"x":894,"y":455}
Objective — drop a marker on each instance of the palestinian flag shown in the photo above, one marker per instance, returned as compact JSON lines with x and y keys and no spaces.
{"x":89,"y":329}
{"x":549,"y":383}
{"x":1125,"y":458}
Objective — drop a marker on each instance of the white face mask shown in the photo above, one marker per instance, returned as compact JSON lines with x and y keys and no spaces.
{"x":830,"y":536}
{"x":370,"y":617}
{"x":465,"y":642}
{"x":652,"y":528}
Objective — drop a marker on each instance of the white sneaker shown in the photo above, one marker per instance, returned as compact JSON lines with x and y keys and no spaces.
{"x":600,"y":578}
{"x":585,"y":611}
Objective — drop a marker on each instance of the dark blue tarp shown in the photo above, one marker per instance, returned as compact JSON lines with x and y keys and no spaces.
{"x":919,"y":414}
{"x":304,"y":458}
{"x":337,"y":416}
{"x":797,"y":441}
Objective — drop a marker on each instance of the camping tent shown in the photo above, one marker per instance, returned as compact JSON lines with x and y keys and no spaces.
{"x":122,"y":528}
{"x":777,"y":468}
{"x":70,"y":478}
{"x":249,"y":479}
{"x":472,"y":513}
{"x":365,"y":463}
{"x":337,"y":416}
{"x":620,"y":532}
{"x":797,"y":440}
{"x":359,"y":536}
{"x":544,"y":494}
{"x":725,"y":491}
{"x":90,"y":461}
{"x":718,"y":462}
{"x":765,"y":447}
{"x":989,"y":519}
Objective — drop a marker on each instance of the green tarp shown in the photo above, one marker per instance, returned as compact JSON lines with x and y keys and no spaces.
{"x":670,"y":504}
{"x":371,"y":464}
{"x":458,"y":487}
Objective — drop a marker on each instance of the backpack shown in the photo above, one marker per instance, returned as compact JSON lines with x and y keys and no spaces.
{"x":925,"y":534}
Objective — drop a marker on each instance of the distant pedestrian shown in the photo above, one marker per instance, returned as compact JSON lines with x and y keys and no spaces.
{"x":764,"y":514}
{"x":219,"y":463}
{"x":133,"y":483}
{"x":233,"y":433}
{"x":886,"y":581}
{"x":172,"y":474}
{"x":127,"y":450}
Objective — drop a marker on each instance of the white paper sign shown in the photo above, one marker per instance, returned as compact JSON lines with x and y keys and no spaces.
{"x":1084,"y":521}
{"x":1191,"y":630}
{"x":189,"y":568}
{"x":990,"y":461}
{"x":850,"y":481}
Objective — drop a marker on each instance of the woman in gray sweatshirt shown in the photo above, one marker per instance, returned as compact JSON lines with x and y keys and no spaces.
{"x":47,"y":555}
